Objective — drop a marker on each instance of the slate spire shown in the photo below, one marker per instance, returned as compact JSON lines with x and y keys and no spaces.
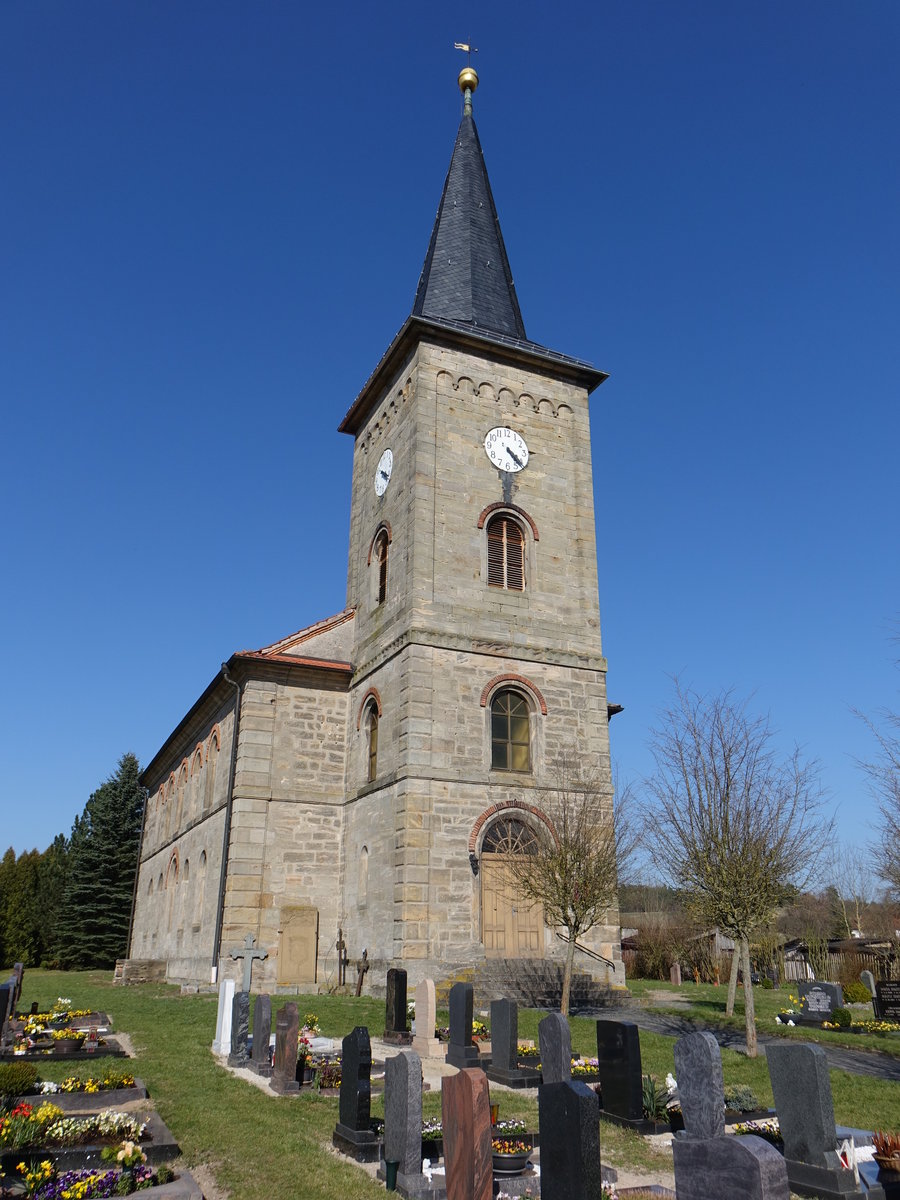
{"x":466,"y":277}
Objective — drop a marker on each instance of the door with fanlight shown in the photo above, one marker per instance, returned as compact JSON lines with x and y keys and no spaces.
{"x":511,"y":926}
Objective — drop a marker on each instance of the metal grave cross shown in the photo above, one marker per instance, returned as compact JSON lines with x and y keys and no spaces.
{"x":248,"y":954}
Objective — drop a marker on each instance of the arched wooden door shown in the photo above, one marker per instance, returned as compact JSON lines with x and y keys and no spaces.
{"x":511,"y":927}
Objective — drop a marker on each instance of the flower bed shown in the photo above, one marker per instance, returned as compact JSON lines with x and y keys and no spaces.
{"x":45,"y":1182}
{"x":46,"y":1125}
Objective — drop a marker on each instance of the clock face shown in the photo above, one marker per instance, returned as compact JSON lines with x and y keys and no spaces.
{"x":506,"y":449}
{"x":383,"y":472}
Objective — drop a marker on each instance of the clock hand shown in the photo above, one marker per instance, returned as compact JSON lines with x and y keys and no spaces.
{"x":384,"y":474}
{"x":516,"y":460}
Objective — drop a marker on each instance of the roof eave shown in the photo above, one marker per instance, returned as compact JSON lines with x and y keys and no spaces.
{"x":416,"y":329}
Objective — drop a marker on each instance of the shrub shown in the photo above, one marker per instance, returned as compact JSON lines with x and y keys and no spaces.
{"x":741,"y":1098}
{"x":842,"y":1017}
{"x":857,"y":993}
{"x":17,"y":1078}
{"x":767,"y":984}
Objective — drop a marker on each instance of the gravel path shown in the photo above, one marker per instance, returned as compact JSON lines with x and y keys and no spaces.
{"x":857,"y":1062}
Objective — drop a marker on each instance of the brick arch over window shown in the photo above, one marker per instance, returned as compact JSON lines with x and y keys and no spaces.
{"x":499,"y":506}
{"x":532,"y":688}
{"x":215,"y":735}
{"x":383,"y":528}
{"x":172,"y":869}
{"x":371,"y":694}
{"x":198,"y":753}
{"x":504,"y":806}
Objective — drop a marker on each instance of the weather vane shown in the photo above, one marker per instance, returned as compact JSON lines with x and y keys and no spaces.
{"x":468,"y":76}
{"x":467,"y":48}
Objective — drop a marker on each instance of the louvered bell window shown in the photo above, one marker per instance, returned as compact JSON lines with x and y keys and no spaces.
{"x":381,"y":560}
{"x":506,"y":554}
{"x":372,"y":730}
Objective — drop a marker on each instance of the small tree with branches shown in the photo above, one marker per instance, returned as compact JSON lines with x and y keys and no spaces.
{"x":572,"y":868}
{"x":730,"y":821}
{"x":884,"y":778}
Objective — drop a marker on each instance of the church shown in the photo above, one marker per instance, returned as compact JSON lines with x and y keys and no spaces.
{"x":368,"y":773}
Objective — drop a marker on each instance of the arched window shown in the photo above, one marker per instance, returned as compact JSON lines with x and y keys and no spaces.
{"x":372,"y":742}
{"x":212,"y":758}
{"x":362,"y":892}
{"x":509,"y":835}
{"x":505,"y":553}
{"x":380,"y":561}
{"x":510,"y":732}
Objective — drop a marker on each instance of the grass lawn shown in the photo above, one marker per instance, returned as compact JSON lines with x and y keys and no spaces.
{"x":706,"y":1002}
{"x":261,"y":1146}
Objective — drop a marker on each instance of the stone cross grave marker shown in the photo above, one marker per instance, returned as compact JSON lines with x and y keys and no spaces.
{"x":362,"y":966}
{"x":248,"y":954}
{"x":709,"y":1165}
{"x":222,"y":1043}
{"x":819,"y":1000}
{"x":403,"y":1122}
{"x":466,"y":1120}
{"x":353,"y":1132}
{"x":701,"y":1088}
{"x":395,"y":1008}
{"x":287,"y":1036}
{"x":619,"y":1067}
{"x":504,"y":1066}
{"x":802,"y":1091}
{"x":425,"y":1043}
{"x":462,"y":1051}
{"x":555,"y":1042}
{"x":240,"y":1029}
{"x":262,"y":1032}
{"x":570,"y":1141}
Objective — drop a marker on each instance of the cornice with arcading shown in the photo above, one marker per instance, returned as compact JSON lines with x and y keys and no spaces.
{"x":465,"y":386}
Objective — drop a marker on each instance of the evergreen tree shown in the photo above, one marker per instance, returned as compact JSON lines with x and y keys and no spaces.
{"x":7,"y":885}
{"x":102,"y":860}
{"x":52,"y":874}
{"x":24,"y":925}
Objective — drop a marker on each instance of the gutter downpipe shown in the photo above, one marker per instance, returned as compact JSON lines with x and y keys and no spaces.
{"x":137,"y":870}
{"x":226,"y":835}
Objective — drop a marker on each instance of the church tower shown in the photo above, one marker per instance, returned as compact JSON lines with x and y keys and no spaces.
{"x":477,"y":658}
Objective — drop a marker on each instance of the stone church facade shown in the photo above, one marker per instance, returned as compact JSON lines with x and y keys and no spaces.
{"x":364,"y":773}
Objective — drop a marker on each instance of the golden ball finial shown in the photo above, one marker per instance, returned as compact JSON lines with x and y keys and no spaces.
{"x":468,"y":80}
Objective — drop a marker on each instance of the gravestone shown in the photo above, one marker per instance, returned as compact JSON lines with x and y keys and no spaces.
{"x":462,"y":1051}
{"x":802,"y":1091}
{"x":570,"y":1141}
{"x":403,"y":1123}
{"x":868,"y":979}
{"x":708,"y":1164}
{"x":887,"y":999}
{"x":425,"y":1043}
{"x":504,"y":1066}
{"x":701,"y":1089}
{"x":739,"y":1168}
{"x":675,"y":974}
{"x":248,"y":954}
{"x":395,"y":1008}
{"x":818,"y":1001}
{"x":260,"y":1057}
{"x":7,"y":1009}
{"x":466,"y":1120}
{"x":353,"y":1132}
{"x":240,"y":1029}
{"x":222,"y":1043}
{"x":287,"y":1035}
{"x":555,"y":1042}
{"x":621,"y":1079}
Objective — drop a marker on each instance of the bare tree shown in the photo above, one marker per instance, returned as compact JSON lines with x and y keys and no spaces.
{"x":573,"y":865}
{"x":850,"y":870}
{"x":884,"y":779}
{"x":730,"y":821}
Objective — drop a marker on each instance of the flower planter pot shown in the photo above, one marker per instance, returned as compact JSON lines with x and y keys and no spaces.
{"x":889,"y":1163}
{"x":510,"y":1164}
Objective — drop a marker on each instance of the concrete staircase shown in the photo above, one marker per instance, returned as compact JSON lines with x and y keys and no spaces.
{"x":532,"y":983}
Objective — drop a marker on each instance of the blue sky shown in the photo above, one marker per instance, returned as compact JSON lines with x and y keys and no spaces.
{"x":215,"y":215}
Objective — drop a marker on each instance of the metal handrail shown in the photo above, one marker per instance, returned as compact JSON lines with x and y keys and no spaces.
{"x":564,"y":937}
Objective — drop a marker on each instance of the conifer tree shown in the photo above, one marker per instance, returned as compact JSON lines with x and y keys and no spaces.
{"x":7,"y":883}
{"x":102,"y":861}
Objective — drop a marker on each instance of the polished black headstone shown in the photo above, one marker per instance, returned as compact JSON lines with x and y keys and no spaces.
{"x":462,"y":1051}
{"x":353,"y":1132}
{"x":504,"y":1067}
{"x":555,"y":1043}
{"x":240,"y":1029}
{"x":619,"y":1067}
{"x":395,"y":1007}
{"x":262,"y":1032}
{"x":287,"y":1031}
{"x":570,"y":1142}
{"x":819,"y":1000}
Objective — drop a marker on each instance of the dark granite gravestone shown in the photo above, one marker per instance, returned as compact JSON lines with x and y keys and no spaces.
{"x":260,"y":1058}
{"x":555,"y":1043}
{"x":395,"y":1008}
{"x":818,"y":1001}
{"x":240,"y":1029}
{"x":619,"y":1067}
{"x":466,"y":1120}
{"x":462,"y":1051}
{"x":739,"y":1168}
{"x":887,"y":999}
{"x":504,"y":1066}
{"x":18,"y":974}
{"x":570,"y":1141}
{"x":287,"y":1035}
{"x":353,"y":1132}
{"x":802,"y":1091}
{"x":403,"y":1123}
{"x":701,"y":1089}
{"x":7,"y":1008}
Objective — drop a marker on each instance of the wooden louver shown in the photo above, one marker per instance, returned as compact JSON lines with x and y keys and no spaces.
{"x":381,"y":557}
{"x":506,"y":554}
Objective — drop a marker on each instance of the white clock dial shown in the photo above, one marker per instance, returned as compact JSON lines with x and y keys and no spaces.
{"x":506,"y":449}
{"x":383,"y":472}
